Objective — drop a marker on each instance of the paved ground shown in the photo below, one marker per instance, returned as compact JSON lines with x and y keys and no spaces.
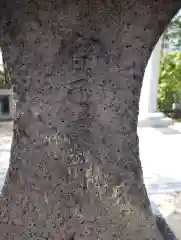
{"x":5,"y":145}
{"x":160,"y":157}
{"x":161,"y":162}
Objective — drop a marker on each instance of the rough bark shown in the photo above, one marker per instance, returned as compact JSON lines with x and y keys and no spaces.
{"x":77,"y":69}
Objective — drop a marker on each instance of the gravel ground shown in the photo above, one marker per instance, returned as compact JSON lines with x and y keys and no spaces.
{"x":168,"y":204}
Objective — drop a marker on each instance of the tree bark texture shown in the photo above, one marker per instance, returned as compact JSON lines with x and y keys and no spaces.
{"x":77,"y":69}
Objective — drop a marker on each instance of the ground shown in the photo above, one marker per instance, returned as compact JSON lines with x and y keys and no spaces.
{"x":159,"y":153}
{"x":160,"y":158}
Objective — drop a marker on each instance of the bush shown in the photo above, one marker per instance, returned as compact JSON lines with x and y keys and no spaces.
{"x":169,"y":90}
{"x":5,"y":79}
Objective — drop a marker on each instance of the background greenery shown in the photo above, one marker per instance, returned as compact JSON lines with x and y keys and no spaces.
{"x":169,"y":90}
{"x":5,"y":79}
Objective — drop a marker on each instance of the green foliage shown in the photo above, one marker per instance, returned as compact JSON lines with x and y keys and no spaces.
{"x":5,"y":79}
{"x":172,"y":34}
{"x":169,"y":90}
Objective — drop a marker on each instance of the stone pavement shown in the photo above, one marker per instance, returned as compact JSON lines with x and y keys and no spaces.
{"x":160,"y":158}
{"x":161,"y":161}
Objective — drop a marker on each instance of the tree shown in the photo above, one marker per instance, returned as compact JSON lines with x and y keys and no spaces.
{"x":77,"y":68}
{"x":169,"y":90}
{"x":5,"y":79}
{"x":169,"y":83}
{"x":172,"y":35}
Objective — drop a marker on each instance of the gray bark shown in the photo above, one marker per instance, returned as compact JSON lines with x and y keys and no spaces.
{"x":77,"y":70}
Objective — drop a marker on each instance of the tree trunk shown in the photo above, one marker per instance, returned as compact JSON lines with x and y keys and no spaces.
{"x":77,"y":69}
